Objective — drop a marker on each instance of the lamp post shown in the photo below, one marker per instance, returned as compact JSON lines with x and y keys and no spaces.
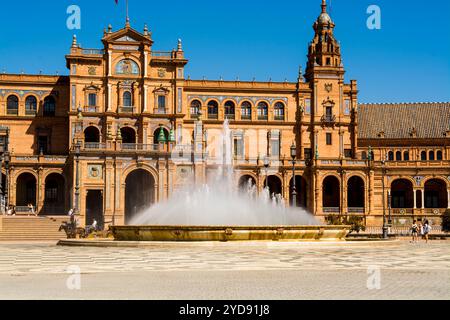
{"x":2,"y":201}
{"x":266,"y":166}
{"x":7,"y":158}
{"x":294,"y":187}
{"x":385,"y":227}
{"x":77,"y":177}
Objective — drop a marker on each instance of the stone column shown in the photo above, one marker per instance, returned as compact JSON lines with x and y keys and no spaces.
{"x":318,"y":195}
{"x":415,"y":198}
{"x":109,"y":63}
{"x":344,"y":208}
{"x":423,"y":199}
{"x":448,"y":199}
{"x":40,"y":190}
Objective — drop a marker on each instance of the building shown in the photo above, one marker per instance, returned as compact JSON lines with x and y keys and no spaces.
{"x":125,"y":129}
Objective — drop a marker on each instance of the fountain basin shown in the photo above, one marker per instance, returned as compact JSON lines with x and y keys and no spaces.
{"x":227,"y":233}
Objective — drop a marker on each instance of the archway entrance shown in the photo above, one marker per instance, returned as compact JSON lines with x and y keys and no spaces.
{"x":436,"y":196}
{"x":140,"y":189}
{"x":26,"y":190}
{"x":91,"y":135}
{"x":247,"y":184}
{"x":402,"y":194}
{"x":275,"y":185}
{"x":54,"y":201}
{"x":128,"y":135}
{"x":331,"y":194}
{"x":301,"y":188}
{"x":94,"y":208}
{"x":355,"y":194}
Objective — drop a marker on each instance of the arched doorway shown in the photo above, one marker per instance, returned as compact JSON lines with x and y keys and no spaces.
{"x":301,"y":189}
{"x":247,"y":184}
{"x":140,"y":194}
{"x":91,"y":135}
{"x":275,"y":185}
{"x":128,"y":135}
{"x":356,"y":194}
{"x":331,"y":194}
{"x":54,"y":198}
{"x":26,"y":190}
{"x":402,"y":194}
{"x":436,"y":196}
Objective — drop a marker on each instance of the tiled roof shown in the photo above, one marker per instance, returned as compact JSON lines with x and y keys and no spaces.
{"x":399,"y":121}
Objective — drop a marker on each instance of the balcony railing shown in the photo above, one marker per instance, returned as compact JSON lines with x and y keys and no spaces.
{"x":263,"y":117}
{"x":162,"y":54}
{"x":94,"y":146}
{"x":331,"y":210}
{"x":91,"y":109}
{"x":213,"y":116}
{"x":279,"y":118}
{"x":356,"y":210}
{"x":124,"y":109}
{"x":30,"y":112}
{"x":328,"y":119}
{"x":230,"y":116}
{"x":12,"y":112}
{"x":246,"y":117}
{"x":93,"y":51}
{"x":139,"y":147}
{"x":160,"y":111}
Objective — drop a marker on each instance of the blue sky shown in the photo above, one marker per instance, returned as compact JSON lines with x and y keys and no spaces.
{"x":407,"y":60}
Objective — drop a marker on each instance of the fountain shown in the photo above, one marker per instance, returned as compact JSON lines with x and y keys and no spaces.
{"x":220,"y":211}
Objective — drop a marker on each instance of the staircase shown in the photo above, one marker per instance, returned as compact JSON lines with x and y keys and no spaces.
{"x":31,"y":228}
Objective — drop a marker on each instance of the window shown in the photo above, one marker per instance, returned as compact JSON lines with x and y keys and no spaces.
{"x":308,"y":153}
{"x":347,"y":107}
{"x":42,"y":144}
{"x":423,"y":156}
{"x":348,"y":153}
{"x":30,"y":105}
{"x":12,"y":105}
{"x":329,"y":138}
{"x":328,"y":61}
{"x":439,"y":155}
{"x":162,"y":104}
{"x":406,"y":156}
{"x":398,"y":156}
{"x":274,"y":142}
{"x":308,"y":106}
{"x":431,"y":156}
{"x":213,"y":110}
{"x":279,"y":111}
{"x":391,"y":156}
{"x":49,"y":107}
{"x":229,"y":110}
{"x":238,"y":145}
{"x":92,"y":100}
{"x":195,"y":108}
{"x":51,"y":192}
{"x":246,"y":111}
{"x":127,"y":100}
{"x":263,"y":111}
{"x":364,"y":155}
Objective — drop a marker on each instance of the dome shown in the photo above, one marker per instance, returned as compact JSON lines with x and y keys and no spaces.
{"x":324,"y":18}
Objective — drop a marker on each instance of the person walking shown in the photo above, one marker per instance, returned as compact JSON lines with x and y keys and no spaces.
{"x":414,"y":231}
{"x":426,"y":230}
{"x":420,"y":231}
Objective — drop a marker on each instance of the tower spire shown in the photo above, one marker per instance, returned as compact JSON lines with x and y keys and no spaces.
{"x":128,"y":16}
{"x":324,"y":6}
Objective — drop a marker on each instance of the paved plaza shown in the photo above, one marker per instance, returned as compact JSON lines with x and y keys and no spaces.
{"x":393,"y":270}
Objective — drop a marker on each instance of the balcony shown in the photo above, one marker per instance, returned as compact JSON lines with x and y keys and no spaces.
{"x":160,"y":111}
{"x":230,"y":116}
{"x":279,"y":118}
{"x":328,"y":119}
{"x":91,"y":109}
{"x":139,"y":147}
{"x":127,"y":110}
{"x":93,"y":52}
{"x":213,"y":116}
{"x":263,"y":117}
{"x":246,"y":117}
{"x":12,"y":112}
{"x":94,"y":146}
{"x":356,"y":210}
{"x":162,"y":54}
{"x":331,"y":210}
{"x":30,"y":113}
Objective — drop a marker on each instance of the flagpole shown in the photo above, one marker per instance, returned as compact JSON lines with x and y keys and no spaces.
{"x":128,"y":17}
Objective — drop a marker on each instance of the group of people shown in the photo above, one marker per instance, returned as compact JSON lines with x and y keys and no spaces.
{"x":89,"y":229}
{"x":422,"y":230}
{"x":11,"y":211}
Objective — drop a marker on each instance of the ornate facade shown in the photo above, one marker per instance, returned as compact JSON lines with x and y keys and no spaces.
{"x":125,"y":129}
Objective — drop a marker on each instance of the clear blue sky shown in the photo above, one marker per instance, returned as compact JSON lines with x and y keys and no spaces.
{"x":407,"y":60}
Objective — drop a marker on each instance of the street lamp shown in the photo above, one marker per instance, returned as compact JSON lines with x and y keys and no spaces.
{"x":77,"y":179}
{"x":294,"y":187}
{"x":7,"y":159}
{"x":385,"y":227}
{"x":266,"y":166}
{"x":1,"y":185}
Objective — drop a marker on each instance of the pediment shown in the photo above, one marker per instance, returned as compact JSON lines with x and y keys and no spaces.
{"x":127,"y":35}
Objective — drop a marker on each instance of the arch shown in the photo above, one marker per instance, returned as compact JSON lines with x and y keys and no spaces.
{"x":301,"y":187}
{"x":263,"y":110}
{"x":26,"y":186}
{"x":431,"y":156}
{"x":436,"y":195}
{"x":230,"y":109}
{"x":196,"y":107}
{"x":423,"y":156}
{"x":439,"y":155}
{"x":406,"y":156}
{"x":127,"y":99}
{"x":402,"y":194}
{"x":275,"y":185}
{"x":12,"y":105}
{"x":54,"y":197}
{"x":49,"y":106}
{"x":247,"y":183}
{"x":30,"y":105}
{"x":128,"y":135}
{"x":157,"y":136}
{"x":213,"y":109}
{"x":331,"y":192}
{"x":356,"y":192}
{"x":398,"y":156}
{"x":391,"y":156}
{"x":279,"y":111}
{"x":127,"y":67}
{"x":246,"y":110}
{"x":91,"y":135}
{"x":140,"y":187}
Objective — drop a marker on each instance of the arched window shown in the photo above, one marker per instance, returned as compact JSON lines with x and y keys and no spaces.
{"x":229,"y":110}
{"x":12,"y":105}
{"x":246,"y":111}
{"x":364,"y":155}
{"x":431,"y":156}
{"x":439,"y":155}
{"x":406,"y":156}
{"x":196,"y":107}
{"x":30,"y":105}
{"x":391,"y":156}
{"x":49,"y":107}
{"x":279,"y":111}
{"x":213,"y":110}
{"x":398,"y":156}
{"x":127,"y":99}
{"x":423,"y":156}
{"x":263,"y":111}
